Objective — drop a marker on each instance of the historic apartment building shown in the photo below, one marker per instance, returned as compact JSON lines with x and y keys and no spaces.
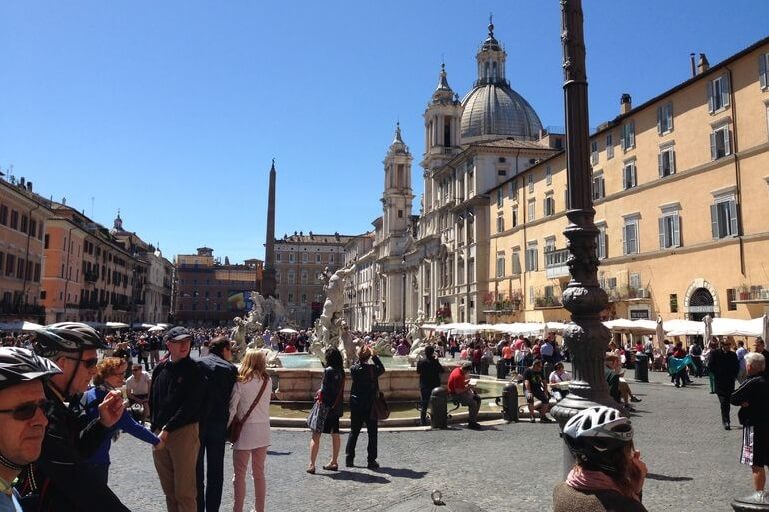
{"x":300,"y":261}
{"x":209,"y":292}
{"x":680,"y":185}
{"x":23,"y":216}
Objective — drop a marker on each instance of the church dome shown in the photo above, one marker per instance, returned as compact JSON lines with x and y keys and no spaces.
{"x":493,"y":109}
{"x":497,"y":110}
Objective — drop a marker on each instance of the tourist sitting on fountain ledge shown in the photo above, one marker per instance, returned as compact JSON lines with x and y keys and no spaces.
{"x":459,"y":386}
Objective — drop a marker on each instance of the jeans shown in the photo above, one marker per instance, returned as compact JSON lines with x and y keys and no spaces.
{"x":425,"y":393}
{"x":473,"y":403}
{"x":212,"y":441}
{"x":357,"y":418}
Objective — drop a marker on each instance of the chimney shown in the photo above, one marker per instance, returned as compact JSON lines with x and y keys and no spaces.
{"x":22,"y":182}
{"x":29,"y":186}
{"x":703,"y":64}
{"x":694,"y":68}
{"x":625,"y":104}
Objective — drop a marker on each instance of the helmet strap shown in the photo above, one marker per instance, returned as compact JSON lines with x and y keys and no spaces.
{"x":10,"y":464}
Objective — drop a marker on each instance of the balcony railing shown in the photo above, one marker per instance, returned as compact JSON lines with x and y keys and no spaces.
{"x":21,"y":309}
{"x":555,"y":263}
{"x":625,"y":293}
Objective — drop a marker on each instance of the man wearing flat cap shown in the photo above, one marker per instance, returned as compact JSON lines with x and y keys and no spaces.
{"x":175,"y":398}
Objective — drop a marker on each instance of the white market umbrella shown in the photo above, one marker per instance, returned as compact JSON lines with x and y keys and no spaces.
{"x":678,"y":327}
{"x":765,"y":328}
{"x":288,"y":330}
{"x":735,"y":327}
{"x":156,"y":328}
{"x":116,"y":325}
{"x":20,"y":325}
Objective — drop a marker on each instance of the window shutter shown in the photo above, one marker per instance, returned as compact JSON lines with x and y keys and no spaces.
{"x":762,"y":69}
{"x":725,"y":90}
{"x":659,"y":164}
{"x":714,"y":220}
{"x":673,"y":161}
{"x":634,"y":175}
{"x":733,"y":218}
{"x":632,"y":134}
{"x":661,"y":222}
{"x":670,"y":117}
{"x":727,"y":142}
{"x":535,"y":253}
{"x":659,"y":119}
{"x":624,"y":240}
{"x":713,"y":150}
{"x":677,"y":231}
{"x":711,"y":96}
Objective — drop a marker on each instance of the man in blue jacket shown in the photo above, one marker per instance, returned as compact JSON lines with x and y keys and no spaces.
{"x":220,"y":375}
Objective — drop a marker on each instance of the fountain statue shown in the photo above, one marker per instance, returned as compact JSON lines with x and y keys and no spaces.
{"x":384,"y":346}
{"x":264,"y":312}
{"x":416,"y":339}
{"x":331,"y":330}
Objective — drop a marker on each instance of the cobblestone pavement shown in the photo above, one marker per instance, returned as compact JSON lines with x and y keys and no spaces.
{"x":693,"y":463}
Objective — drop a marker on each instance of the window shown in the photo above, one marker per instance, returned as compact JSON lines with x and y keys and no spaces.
{"x":723,"y":217}
{"x":515,"y":217}
{"x":46,"y":241}
{"x":532,"y":208}
{"x":666,"y":161}
{"x":628,"y":136}
{"x":731,"y":297}
{"x":629,"y":175}
{"x":501,"y":264}
{"x":501,"y":172}
{"x":400,"y":214}
{"x":548,"y":175}
{"x":674,"y":303}
{"x":609,"y":146}
{"x":763,"y":70}
{"x":305,"y":257}
{"x":290,"y":298}
{"x":549,"y":205}
{"x":499,"y":198}
{"x":600,"y":245}
{"x":634,"y":280}
{"x":516,"y":261}
{"x":514,"y":189}
{"x":718,"y":94}
{"x":531,"y":182}
{"x":331,"y":258}
{"x":2,"y":259}
{"x":277,"y":255}
{"x":24,"y":224}
{"x":500,"y":223}
{"x":549,"y":244}
{"x":14,"y":219}
{"x":599,"y":186}
{"x":3,"y":215}
{"x":670,"y":229}
{"x":720,"y":143}
{"x":665,"y":118}
{"x":291,"y":257}
{"x":630,"y":234}
{"x":532,"y":257}
{"x":10,"y":265}
{"x":304,"y":277}
{"x":594,"y":152}
{"x":291,"y":277}
{"x":317,"y":258}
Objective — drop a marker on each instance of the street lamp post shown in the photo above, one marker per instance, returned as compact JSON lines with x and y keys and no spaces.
{"x":587,"y":338}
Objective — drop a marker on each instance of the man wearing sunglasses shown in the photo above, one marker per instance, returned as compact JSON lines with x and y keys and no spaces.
{"x":23,"y":409}
{"x":56,"y":482}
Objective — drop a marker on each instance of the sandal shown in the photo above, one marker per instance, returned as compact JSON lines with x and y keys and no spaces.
{"x":331,"y":467}
{"x":311,"y":469}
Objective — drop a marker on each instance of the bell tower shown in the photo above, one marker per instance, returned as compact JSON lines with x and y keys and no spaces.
{"x":397,"y":197}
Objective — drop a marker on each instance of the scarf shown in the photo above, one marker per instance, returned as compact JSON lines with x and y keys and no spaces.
{"x":588,"y":480}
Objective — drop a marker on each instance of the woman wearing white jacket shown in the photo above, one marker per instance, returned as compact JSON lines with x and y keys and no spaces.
{"x":255,"y":435}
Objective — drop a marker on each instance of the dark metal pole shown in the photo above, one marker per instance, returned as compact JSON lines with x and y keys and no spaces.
{"x":587,"y":338}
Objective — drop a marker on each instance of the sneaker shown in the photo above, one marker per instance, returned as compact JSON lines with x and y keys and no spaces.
{"x":475,"y":426}
{"x":634,"y":399}
{"x":545,"y":419}
{"x":372,"y":464}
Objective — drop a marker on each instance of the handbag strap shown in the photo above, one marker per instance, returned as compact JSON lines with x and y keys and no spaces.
{"x":256,"y":401}
{"x":340,"y":393}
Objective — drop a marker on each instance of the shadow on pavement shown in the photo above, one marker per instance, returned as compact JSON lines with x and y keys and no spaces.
{"x":401,"y":472}
{"x":365,"y":478}
{"x":665,"y":478}
{"x":271,"y":452}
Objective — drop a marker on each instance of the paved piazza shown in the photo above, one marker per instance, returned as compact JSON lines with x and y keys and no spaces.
{"x":693,"y":463}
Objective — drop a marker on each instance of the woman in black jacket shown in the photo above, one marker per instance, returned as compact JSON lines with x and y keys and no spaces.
{"x":365,"y":389}
{"x":331,"y":393}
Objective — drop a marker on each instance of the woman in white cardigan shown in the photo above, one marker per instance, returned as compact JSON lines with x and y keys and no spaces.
{"x":255,"y":436}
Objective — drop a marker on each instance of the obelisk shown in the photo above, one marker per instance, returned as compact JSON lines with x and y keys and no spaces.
{"x":268,"y":275}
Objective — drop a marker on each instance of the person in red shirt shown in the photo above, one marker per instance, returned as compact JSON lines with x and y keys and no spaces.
{"x":459,"y":386}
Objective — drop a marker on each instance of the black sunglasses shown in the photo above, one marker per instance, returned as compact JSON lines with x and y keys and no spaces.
{"x":88,"y":363}
{"x":26,"y":411}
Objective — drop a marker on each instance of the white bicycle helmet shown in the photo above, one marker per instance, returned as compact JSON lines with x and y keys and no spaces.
{"x":66,"y":337}
{"x":594,"y":434}
{"x":18,"y":365}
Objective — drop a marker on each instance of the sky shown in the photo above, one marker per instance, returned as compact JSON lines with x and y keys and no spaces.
{"x":172,"y":111}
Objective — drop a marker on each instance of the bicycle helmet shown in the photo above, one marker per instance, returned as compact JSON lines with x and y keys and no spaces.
{"x":66,"y":337}
{"x":593,"y":435}
{"x":19,"y":365}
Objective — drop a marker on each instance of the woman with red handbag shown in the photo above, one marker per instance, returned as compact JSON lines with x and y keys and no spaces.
{"x":250,"y":414}
{"x":331,"y":396}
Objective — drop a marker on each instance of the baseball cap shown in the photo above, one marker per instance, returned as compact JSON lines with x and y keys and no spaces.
{"x":177,"y":334}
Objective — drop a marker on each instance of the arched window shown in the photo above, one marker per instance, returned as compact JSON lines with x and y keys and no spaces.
{"x":494,"y":71}
{"x":486,"y":71}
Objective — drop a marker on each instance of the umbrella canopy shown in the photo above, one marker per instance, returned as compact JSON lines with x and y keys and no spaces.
{"x":116,"y":325}
{"x":20,"y":325}
{"x":632,"y":326}
{"x":288,"y":330}
{"x":735,"y":327}
{"x":678,"y":327}
{"x":765,"y":328}
{"x":156,"y":328}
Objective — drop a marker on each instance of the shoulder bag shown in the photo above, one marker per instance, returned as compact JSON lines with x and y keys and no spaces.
{"x":233,"y":432}
{"x":379,"y":409}
{"x":319,"y":412}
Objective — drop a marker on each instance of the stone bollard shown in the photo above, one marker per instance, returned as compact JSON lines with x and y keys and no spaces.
{"x":510,"y":403}
{"x":501,"y":368}
{"x":439,"y":417}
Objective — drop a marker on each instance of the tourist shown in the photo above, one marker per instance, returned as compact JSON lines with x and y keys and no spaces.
{"x":559,"y":379}
{"x":251,"y":392}
{"x":332,"y":395}
{"x":23,"y":410}
{"x":724,"y":366}
{"x":608,"y":474}
{"x":760,"y":348}
{"x":740,"y":352}
{"x":154,"y":342}
{"x":536,"y":391}
{"x":138,"y":390}
{"x":507,"y":355}
{"x":696,"y":352}
{"x":711,"y":347}
{"x":364,"y":390}
{"x":619,"y":389}
{"x":753,"y":399}
{"x":547,"y":350}
{"x":175,"y":412}
{"x":58,"y":481}
{"x":459,"y":386}
{"x":429,"y":370}
{"x":220,"y":376}
{"x":109,"y":377}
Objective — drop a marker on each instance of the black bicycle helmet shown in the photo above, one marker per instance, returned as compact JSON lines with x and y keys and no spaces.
{"x":594,"y":434}
{"x":19,"y":365}
{"x":66,"y":337}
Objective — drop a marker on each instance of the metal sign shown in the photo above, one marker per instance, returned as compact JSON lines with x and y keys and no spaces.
{"x":701,"y":309}
{"x":639,"y":314}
